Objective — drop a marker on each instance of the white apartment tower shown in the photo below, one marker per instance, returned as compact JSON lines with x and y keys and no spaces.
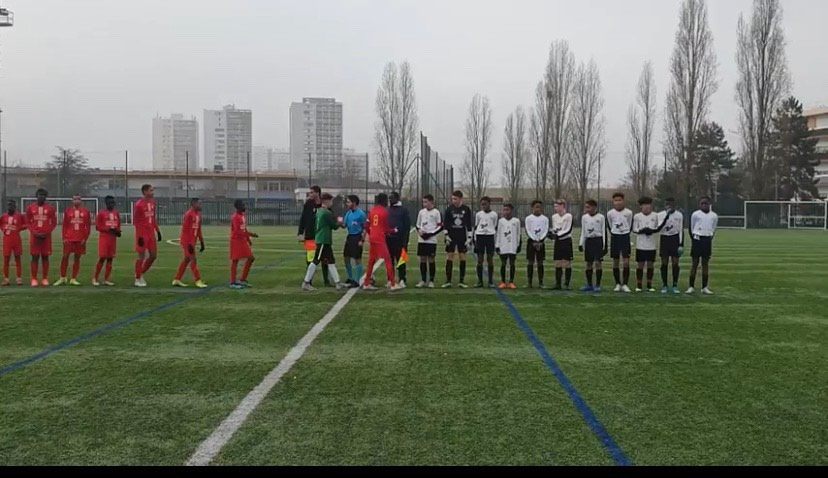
{"x":228,"y":139}
{"x":173,"y":139}
{"x":316,"y":135}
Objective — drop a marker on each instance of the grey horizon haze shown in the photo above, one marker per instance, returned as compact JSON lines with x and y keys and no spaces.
{"x":92,"y":74}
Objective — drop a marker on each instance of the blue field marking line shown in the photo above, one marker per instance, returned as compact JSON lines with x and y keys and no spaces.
{"x":121,"y":323}
{"x":598,"y":428}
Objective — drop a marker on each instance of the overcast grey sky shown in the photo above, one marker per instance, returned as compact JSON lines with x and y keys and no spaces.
{"x":91,"y":74}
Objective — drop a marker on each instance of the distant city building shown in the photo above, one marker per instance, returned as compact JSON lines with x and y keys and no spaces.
{"x":818,"y":125}
{"x":316,"y":135}
{"x":228,"y":139}
{"x":266,"y":158}
{"x":173,"y":140}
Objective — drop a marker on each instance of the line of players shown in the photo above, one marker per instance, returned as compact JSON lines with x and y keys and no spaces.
{"x":40,"y":219}
{"x":488,"y":234}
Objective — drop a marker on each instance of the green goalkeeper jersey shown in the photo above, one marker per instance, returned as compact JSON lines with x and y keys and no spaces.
{"x":325,"y":224}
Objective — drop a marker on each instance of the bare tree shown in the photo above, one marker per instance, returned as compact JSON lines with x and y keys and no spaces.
{"x":640,"y":126}
{"x":476,"y":170}
{"x":586,"y":128}
{"x":763,"y":82}
{"x":515,"y":153}
{"x":539,"y":140}
{"x":693,"y":82}
{"x":397,"y":124}
{"x":558,"y":78}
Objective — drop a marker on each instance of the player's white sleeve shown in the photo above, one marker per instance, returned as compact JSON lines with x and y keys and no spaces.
{"x":583,"y":234}
{"x":497,"y":237}
{"x":419,"y":220}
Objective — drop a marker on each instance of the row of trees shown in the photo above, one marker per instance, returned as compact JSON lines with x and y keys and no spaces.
{"x":557,"y":148}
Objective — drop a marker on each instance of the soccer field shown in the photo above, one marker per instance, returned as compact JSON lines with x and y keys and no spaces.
{"x":144,"y":376}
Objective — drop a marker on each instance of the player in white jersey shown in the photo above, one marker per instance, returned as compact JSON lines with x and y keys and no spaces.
{"x":619,"y":219}
{"x":672,"y":243}
{"x":593,"y":244}
{"x":507,"y":245}
{"x":645,"y":224}
{"x":429,"y":224}
{"x":702,"y":229}
{"x":537,"y":228}
{"x":561,"y":233}
{"x":485,"y":228}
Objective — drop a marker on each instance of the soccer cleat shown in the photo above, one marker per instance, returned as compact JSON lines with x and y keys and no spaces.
{"x":140,"y":283}
{"x":617,"y":288}
{"x":479,"y":285}
{"x":60,"y":282}
{"x":431,"y":285}
{"x":238,"y":286}
{"x":245,"y":284}
{"x":626,"y":289}
{"x":665,"y":290}
{"x":462,"y":285}
{"x":638,"y":289}
{"x":402,"y":284}
{"x":74,"y":283}
{"x":178,"y":283}
{"x":447,"y":285}
{"x":587,"y":288}
{"x":19,"y":281}
{"x":95,"y":283}
{"x":512,"y":286}
{"x":420,"y":285}
{"x":201,"y":285}
{"x":651,"y":289}
{"x":340,"y":286}
{"x":305,"y":286}
{"x":109,"y":283}
{"x":707,"y":291}
{"x":397,"y":287}
{"x":691,"y":290}
{"x":676,"y":290}
{"x":369,"y":287}
{"x":35,"y":283}
{"x":45,"y":282}
{"x":596,"y":289}
{"x":502,"y":285}
{"x":6,"y":283}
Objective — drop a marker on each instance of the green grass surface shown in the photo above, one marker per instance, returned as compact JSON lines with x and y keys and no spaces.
{"x":425,"y":376}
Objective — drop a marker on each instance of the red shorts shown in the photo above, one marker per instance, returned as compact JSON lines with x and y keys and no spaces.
{"x":74,"y":247}
{"x":107,"y":246}
{"x":40,"y":247}
{"x":240,"y":250}
{"x":12,"y":247}
{"x":186,"y":247}
{"x":150,"y":244}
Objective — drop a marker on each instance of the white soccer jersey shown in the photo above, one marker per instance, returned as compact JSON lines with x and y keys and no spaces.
{"x":645,"y":221}
{"x":703,"y":224}
{"x":620,"y":222}
{"x":562,"y":226}
{"x":429,"y":222}
{"x":592,"y":226}
{"x":485,"y":223}
{"x":508,"y":235}
{"x":537,"y":227}
{"x":672,"y":225}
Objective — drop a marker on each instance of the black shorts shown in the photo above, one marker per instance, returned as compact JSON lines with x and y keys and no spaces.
{"x":563,"y":250}
{"x":395,"y":247}
{"x":425,"y":249}
{"x":535,"y":255}
{"x":644,"y":256}
{"x":324,"y":252}
{"x":594,"y":249}
{"x":702,"y":248}
{"x":620,"y":246}
{"x":669,"y":246}
{"x":458,"y":243}
{"x":352,"y":248}
{"x":484,"y":245}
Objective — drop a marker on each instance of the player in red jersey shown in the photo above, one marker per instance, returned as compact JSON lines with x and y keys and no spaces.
{"x":147,"y":234}
{"x":108,"y":224}
{"x":240,"y":246}
{"x":77,"y":225}
{"x":11,"y":224}
{"x":377,"y":229}
{"x":41,"y":220}
{"x":190,"y":233}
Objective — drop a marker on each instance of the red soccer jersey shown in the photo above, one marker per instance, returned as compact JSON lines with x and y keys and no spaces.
{"x":143,"y":216}
{"x":77,"y":224}
{"x":238,"y":228}
{"x":107,"y":220}
{"x":41,"y":219}
{"x":11,"y":226}
{"x":377,"y":224}
{"x":191,"y":228}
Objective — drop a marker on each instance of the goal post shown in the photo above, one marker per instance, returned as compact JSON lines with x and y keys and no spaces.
{"x":808,"y":215}
{"x":62,"y":204}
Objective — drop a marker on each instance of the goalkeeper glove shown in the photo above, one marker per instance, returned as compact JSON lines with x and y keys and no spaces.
{"x":158,"y":234}
{"x":680,"y":251}
{"x":580,"y":248}
{"x":497,"y":250}
{"x":202,"y":247}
